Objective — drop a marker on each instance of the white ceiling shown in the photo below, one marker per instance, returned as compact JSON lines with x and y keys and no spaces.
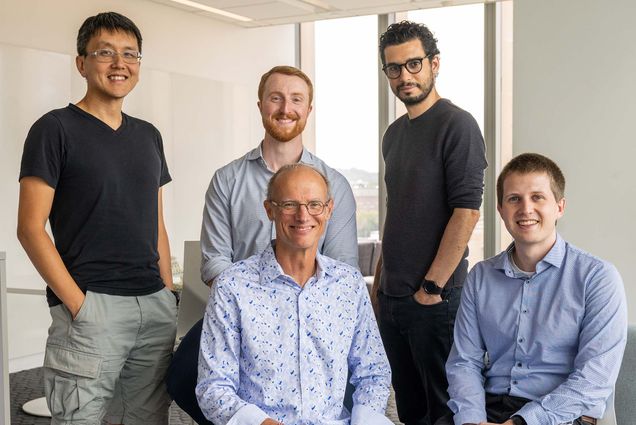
{"x":276,"y":12}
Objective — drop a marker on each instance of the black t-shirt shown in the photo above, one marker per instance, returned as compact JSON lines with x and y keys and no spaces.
{"x":104,"y":216}
{"x":434,"y":163}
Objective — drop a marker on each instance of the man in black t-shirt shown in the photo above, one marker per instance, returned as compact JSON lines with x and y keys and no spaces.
{"x":434,"y":157}
{"x":96,"y":174}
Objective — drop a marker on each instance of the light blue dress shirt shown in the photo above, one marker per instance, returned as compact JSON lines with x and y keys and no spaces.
{"x":556,"y":338}
{"x":235,"y":224}
{"x":270,"y":348}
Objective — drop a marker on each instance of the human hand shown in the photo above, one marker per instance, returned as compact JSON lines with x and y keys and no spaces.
{"x":421,"y":297}
{"x":508,"y":422}
{"x":74,"y":306}
{"x":270,"y":421}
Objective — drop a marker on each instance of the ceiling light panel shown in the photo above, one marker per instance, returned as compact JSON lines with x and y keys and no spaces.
{"x":270,"y":10}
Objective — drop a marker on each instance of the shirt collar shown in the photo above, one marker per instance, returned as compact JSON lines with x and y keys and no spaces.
{"x":255,"y":153}
{"x":306,"y":157}
{"x":270,"y":270}
{"x":554,"y":257}
{"x":268,"y":267}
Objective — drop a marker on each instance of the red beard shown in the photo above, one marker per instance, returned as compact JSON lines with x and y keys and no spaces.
{"x":286,"y":133}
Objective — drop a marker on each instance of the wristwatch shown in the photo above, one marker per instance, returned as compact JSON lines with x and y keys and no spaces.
{"x":518,"y":420}
{"x":431,"y":287}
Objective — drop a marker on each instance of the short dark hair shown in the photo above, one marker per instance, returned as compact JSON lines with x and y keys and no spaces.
{"x":110,"y":21}
{"x":533,"y":163}
{"x":285,"y":70}
{"x":401,"y":32}
{"x":289,"y":167}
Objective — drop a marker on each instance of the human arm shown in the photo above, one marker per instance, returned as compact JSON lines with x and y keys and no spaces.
{"x":601,"y":342}
{"x":375,"y":288}
{"x":465,"y":362}
{"x":464,"y":162}
{"x":163,"y":246}
{"x":368,"y":365}
{"x":36,"y":199}
{"x":450,"y":252}
{"x":216,"y":230}
{"x":219,"y":356}
{"x":341,"y":236}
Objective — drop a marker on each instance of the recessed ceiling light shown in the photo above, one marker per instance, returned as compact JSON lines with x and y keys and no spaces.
{"x":213,"y":10}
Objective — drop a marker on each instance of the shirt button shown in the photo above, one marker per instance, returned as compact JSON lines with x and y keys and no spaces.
{"x":524,"y":311}
{"x":520,"y":339}
{"x":514,"y":382}
{"x":518,"y":364}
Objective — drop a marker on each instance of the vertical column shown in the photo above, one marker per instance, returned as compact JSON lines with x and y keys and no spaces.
{"x":492,"y":135}
{"x":5,"y":413}
{"x":386,"y":115}
{"x":306,"y":60}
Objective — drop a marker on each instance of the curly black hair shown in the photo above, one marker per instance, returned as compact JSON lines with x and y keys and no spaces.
{"x":401,"y":32}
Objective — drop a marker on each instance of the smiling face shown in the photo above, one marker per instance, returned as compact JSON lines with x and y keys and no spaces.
{"x":285,"y":106}
{"x":412,"y":89}
{"x":530,"y":211}
{"x":109,"y":81}
{"x":299,"y":232}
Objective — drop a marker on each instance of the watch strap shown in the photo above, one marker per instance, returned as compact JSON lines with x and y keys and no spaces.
{"x":431,"y":287}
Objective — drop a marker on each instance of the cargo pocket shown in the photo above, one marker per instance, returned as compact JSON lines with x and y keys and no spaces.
{"x":74,"y":370}
{"x":64,"y":397}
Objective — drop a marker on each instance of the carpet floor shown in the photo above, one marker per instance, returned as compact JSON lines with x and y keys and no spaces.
{"x":28,"y":385}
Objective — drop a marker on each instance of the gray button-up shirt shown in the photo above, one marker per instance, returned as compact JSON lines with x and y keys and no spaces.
{"x":235,"y":224}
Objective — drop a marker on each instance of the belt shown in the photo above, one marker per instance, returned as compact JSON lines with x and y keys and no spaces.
{"x":588,"y":420}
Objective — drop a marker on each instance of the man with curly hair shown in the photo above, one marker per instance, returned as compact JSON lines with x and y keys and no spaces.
{"x":434,"y":157}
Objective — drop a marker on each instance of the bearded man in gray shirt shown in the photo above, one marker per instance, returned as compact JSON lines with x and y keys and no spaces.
{"x":235,"y":226}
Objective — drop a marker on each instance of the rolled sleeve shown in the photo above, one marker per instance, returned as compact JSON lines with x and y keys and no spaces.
{"x":464,"y":163}
{"x":216,"y":232}
{"x":341,"y":240}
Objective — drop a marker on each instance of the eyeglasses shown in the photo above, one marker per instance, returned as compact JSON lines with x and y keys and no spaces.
{"x":292,"y":207}
{"x":109,"y":55}
{"x":413,"y":66}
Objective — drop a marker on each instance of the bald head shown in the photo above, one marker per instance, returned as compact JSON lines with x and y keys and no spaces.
{"x":295,"y":171}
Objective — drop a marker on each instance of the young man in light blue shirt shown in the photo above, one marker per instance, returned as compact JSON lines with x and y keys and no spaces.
{"x":283,"y":328}
{"x":542,"y":327}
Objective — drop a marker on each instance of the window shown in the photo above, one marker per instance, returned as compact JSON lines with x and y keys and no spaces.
{"x":347,"y":105}
{"x":461,"y":76}
{"x":346,"y":108}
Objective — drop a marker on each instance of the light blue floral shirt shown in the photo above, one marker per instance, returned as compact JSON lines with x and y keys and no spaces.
{"x":270,"y":348}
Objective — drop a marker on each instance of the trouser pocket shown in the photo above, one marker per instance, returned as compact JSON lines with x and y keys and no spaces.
{"x":68,"y":374}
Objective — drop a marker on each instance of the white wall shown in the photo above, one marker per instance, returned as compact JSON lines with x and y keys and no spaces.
{"x":198,"y":86}
{"x":575,"y":101}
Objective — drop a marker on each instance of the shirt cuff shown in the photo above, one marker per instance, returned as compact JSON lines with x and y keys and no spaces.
{"x":533,"y":413}
{"x":468,"y":416}
{"x":249,"y":414}
{"x":364,"y":415}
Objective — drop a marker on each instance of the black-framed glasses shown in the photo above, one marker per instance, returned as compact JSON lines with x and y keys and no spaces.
{"x":109,"y":55}
{"x":413,"y":66}
{"x":292,"y":207}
